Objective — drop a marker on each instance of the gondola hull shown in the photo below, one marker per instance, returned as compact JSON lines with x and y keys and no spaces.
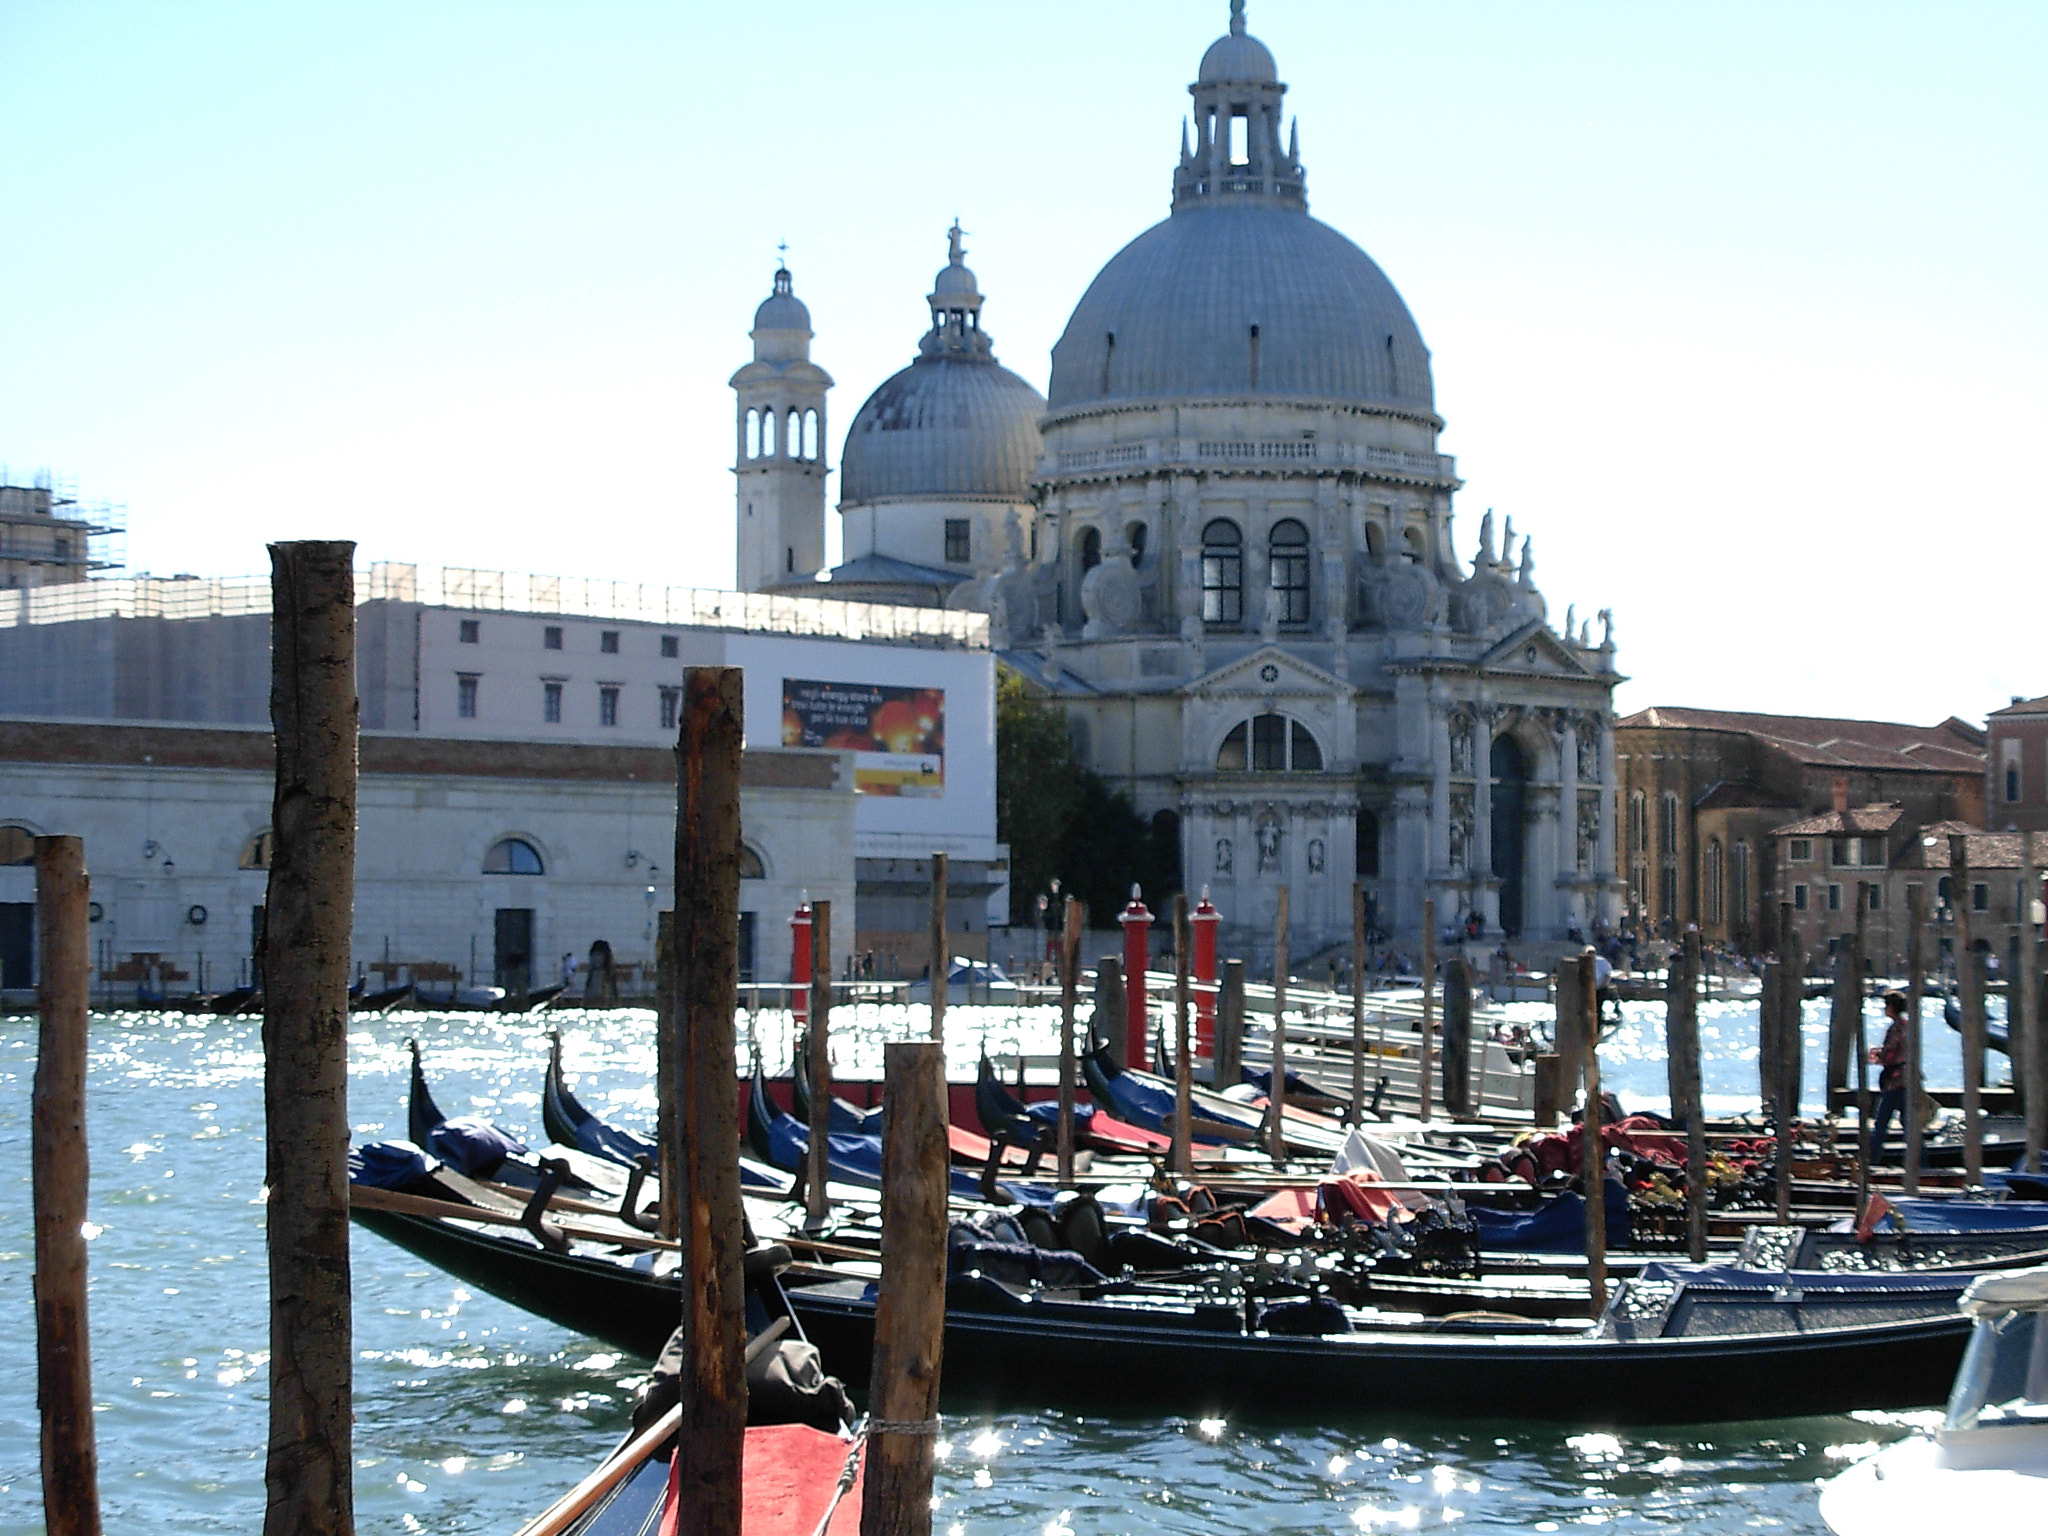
{"x":1041,"y":1354}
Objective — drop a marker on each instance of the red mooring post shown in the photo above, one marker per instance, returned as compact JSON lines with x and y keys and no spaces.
{"x":1203,"y":920}
{"x":800,"y":965}
{"x":1137,"y":952}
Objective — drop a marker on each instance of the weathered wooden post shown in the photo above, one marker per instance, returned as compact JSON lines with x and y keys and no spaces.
{"x":1357,"y":1113}
{"x":61,"y":1176}
{"x":1916,"y":981}
{"x":1685,"y":1045}
{"x":1109,"y":1022}
{"x":1457,"y":1034}
{"x":1229,"y":1069}
{"x":1276,"y":1096}
{"x":1859,"y":1040}
{"x":941,"y":960}
{"x":308,"y":1471}
{"x":668,"y":1057}
{"x":1844,"y":1002}
{"x":707,"y":865}
{"x":1787,"y":1044}
{"x":818,"y":1060}
{"x":1428,"y":1005}
{"x":910,"y":1307}
{"x":1183,"y":1151}
{"x":1592,"y":1144}
{"x":1070,"y":979}
{"x":2030,"y":1040}
{"x":1970,"y":984}
{"x":1558,"y":1074}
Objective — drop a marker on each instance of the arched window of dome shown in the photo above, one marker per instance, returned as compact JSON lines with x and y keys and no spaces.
{"x":17,"y":845}
{"x":513,"y":856}
{"x":256,"y":852}
{"x":1091,"y":549}
{"x":768,"y":434}
{"x":1287,"y":550}
{"x":1375,"y":541}
{"x":1135,"y":536}
{"x":1222,"y":573}
{"x":793,"y":435}
{"x":810,"y":434}
{"x":753,"y":434}
{"x":1417,"y":550}
{"x":1269,"y":743}
{"x":752,"y":865}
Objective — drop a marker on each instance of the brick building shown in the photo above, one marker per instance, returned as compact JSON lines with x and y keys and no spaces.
{"x":1876,"y":851}
{"x":1704,"y":793}
{"x":2016,"y":767}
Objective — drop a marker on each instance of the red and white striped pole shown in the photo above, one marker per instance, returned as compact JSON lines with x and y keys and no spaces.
{"x":800,"y":964}
{"x":1203,"y":921}
{"x":1137,"y":923}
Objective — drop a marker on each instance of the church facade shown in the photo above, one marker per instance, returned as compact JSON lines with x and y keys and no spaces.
{"x":1231,"y":558}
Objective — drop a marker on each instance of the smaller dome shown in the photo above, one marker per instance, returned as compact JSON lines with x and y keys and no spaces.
{"x":955,"y":280}
{"x":1238,"y":56}
{"x":782,"y":310}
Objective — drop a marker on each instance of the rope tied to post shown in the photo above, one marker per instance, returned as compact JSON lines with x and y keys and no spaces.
{"x":902,"y":1426}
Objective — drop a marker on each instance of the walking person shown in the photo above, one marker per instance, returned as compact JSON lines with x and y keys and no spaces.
{"x":1890,"y":1059}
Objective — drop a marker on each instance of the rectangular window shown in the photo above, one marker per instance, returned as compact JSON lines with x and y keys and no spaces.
{"x":671,"y":707}
{"x":958,"y":544}
{"x":1834,"y":898}
{"x":1799,"y":850}
{"x":468,"y":631}
{"x":1980,"y":897}
{"x":1269,"y":743}
{"x":551,"y":703}
{"x":551,"y":638}
{"x":608,"y":704}
{"x":1798,"y":898}
{"x":608,"y":642}
{"x":2012,"y":784}
{"x":1875,"y":896}
{"x":465,"y":696}
{"x":1841,"y":850}
{"x":668,"y":647}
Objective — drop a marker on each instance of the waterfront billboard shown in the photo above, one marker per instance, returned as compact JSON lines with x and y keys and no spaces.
{"x":897,"y":735}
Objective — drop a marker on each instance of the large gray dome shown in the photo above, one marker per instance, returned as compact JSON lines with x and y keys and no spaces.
{"x":944,"y":426}
{"x":1171,"y":317}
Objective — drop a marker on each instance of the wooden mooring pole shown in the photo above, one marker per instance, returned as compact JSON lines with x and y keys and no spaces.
{"x":1357,"y":1111}
{"x":61,"y":1177}
{"x":668,"y":1055}
{"x":1689,"y":1100}
{"x":1276,"y":1094}
{"x":941,"y":960}
{"x":1229,"y":1068}
{"x":910,"y":1307}
{"x":1970,"y":987}
{"x":1182,"y":1153}
{"x":309,"y":1467}
{"x":1785,"y":1078}
{"x":707,"y":866}
{"x":2024,"y":1005}
{"x":1428,"y":1069}
{"x":1849,"y":982}
{"x":1592,"y":1145}
{"x":1070,"y":983}
{"x":1916,"y":982}
{"x":818,"y":1061}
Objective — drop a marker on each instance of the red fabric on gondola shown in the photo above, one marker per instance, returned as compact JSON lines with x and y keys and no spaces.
{"x":1294,"y":1209}
{"x":1114,"y":1135}
{"x":789,"y":1473}
{"x":1359,"y":1194}
{"x":1555,"y":1151}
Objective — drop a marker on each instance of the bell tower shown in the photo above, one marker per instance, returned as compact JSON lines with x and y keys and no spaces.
{"x":779,"y":457}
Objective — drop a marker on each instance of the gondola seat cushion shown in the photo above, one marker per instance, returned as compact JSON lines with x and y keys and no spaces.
{"x":387,"y":1165}
{"x":474,"y":1147}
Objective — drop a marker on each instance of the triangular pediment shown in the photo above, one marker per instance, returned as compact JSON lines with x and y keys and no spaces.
{"x":1533,"y":651}
{"x":1268,"y":672}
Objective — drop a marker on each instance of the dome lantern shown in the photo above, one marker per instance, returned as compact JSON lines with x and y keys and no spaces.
{"x":1237,"y":152}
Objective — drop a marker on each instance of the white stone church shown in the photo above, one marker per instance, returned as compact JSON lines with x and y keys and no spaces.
{"x":1224,"y":543}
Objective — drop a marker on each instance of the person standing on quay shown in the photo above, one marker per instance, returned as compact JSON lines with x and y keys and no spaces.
{"x":1890,"y":1058}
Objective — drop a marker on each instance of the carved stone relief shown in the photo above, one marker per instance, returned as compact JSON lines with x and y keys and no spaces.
{"x":1588,"y":829}
{"x":1268,"y":833}
{"x":1226,"y":857}
{"x":1317,"y":856}
{"x":1461,"y":741}
{"x":1461,"y":828}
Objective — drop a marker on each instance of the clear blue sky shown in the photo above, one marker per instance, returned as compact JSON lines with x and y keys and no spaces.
{"x":1738,"y":308}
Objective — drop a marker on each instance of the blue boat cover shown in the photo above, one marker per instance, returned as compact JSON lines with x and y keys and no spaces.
{"x":387,"y":1165}
{"x":1916,"y":1215}
{"x":471,"y":1146}
{"x":858,"y":1160}
{"x":1557,"y":1226}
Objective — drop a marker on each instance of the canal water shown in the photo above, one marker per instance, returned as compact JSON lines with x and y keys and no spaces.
{"x":470,"y":1414}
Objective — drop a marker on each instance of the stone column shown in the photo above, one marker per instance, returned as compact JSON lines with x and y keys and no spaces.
{"x":1603,"y":870}
{"x":1438,"y":857}
{"x":1540,"y":875}
{"x":1486,"y":889}
{"x":1567,"y":822}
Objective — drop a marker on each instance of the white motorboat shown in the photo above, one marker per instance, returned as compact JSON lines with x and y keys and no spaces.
{"x":1986,"y":1468}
